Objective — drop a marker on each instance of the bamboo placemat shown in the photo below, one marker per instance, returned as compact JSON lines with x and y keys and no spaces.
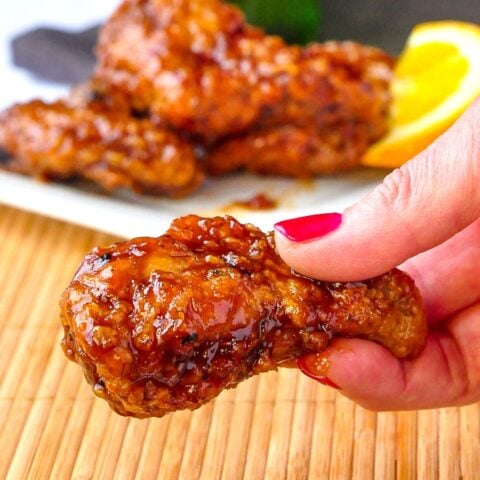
{"x":279,"y":425}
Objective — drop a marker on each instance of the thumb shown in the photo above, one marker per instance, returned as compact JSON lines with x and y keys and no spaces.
{"x":417,"y":207}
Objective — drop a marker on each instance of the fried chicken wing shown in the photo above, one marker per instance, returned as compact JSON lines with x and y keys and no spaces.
{"x":197,"y":65}
{"x":305,"y":138}
{"x":291,"y":151}
{"x":162,"y":324}
{"x":59,"y":141}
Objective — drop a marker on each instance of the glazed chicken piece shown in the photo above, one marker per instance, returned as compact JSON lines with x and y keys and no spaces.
{"x":293,"y":151}
{"x":162,"y":324}
{"x":197,"y":65}
{"x":59,"y":141}
{"x":306,"y":137}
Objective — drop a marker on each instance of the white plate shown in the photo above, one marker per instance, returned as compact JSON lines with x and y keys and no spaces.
{"x":128,"y":215}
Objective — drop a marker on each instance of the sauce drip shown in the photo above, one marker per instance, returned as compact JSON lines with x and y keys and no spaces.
{"x":260,"y":201}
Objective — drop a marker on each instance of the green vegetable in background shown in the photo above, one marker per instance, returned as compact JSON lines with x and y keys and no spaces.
{"x":297,"y":21}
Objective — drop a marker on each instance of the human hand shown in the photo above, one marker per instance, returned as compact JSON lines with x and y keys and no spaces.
{"x":425,"y":217}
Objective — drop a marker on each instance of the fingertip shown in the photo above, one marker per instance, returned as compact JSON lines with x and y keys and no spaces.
{"x":310,"y":227}
{"x":283,"y":244}
{"x":339,"y":250}
{"x":299,"y":242}
{"x":313,"y":259}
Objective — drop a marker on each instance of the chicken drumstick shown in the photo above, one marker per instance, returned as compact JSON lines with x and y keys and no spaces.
{"x":162,"y":324}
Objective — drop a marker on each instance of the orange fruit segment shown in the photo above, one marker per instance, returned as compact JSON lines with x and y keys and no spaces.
{"x":436,"y":78}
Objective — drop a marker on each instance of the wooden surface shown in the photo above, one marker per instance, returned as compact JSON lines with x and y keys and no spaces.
{"x":279,"y":425}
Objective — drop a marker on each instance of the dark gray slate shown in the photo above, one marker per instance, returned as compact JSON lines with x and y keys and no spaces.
{"x":54,"y":55}
{"x":387,"y":23}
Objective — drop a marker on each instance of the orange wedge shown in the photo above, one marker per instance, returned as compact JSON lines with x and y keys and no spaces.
{"x":436,"y":78}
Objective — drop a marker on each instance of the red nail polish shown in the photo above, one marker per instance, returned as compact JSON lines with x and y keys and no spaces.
{"x":308,"y":228}
{"x":303,"y":365}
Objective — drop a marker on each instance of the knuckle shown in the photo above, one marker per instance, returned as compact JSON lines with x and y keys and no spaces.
{"x":396,"y":191}
{"x":400,"y":195}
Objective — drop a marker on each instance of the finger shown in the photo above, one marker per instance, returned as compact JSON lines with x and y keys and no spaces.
{"x":448,"y":275}
{"x":417,"y":207}
{"x":445,"y":374}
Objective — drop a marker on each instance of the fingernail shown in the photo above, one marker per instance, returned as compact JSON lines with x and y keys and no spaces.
{"x":307,"y":369}
{"x":307,"y":228}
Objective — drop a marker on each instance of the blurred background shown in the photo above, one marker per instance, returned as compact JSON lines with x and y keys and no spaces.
{"x":47,"y":46}
{"x":387,"y":23}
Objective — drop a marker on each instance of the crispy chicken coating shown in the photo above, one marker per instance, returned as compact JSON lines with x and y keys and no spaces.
{"x":306,"y":137}
{"x":199,"y":67}
{"x":292,"y":151}
{"x":162,"y":324}
{"x":59,"y":141}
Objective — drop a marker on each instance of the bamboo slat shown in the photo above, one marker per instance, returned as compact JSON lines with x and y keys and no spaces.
{"x":277,"y":426}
